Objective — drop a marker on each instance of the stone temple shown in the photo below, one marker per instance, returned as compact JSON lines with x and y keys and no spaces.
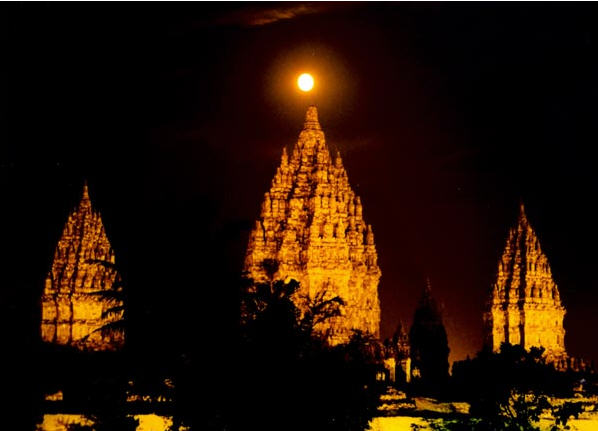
{"x":312,"y":225}
{"x":525,"y":307}
{"x":82,"y":300}
{"x":429,"y":347}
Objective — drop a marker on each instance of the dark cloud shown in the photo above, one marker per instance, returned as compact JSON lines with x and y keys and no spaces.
{"x":259,"y":16}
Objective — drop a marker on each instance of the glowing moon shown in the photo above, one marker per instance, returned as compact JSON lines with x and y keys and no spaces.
{"x":305,"y":82}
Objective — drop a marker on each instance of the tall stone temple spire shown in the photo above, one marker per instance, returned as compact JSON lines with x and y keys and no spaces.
{"x":429,"y":342}
{"x":525,"y":307}
{"x":312,"y":225}
{"x":82,"y":301}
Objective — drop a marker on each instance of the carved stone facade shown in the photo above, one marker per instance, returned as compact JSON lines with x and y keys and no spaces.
{"x":312,"y":225}
{"x":82,"y":299}
{"x":525,"y":307}
{"x":398,"y":356}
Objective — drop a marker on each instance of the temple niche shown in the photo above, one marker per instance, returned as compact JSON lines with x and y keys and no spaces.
{"x":82,"y":303}
{"x":312,"y":225}
{"x":525,"y":306}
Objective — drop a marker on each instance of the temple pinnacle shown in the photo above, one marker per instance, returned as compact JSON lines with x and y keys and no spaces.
{"x":428,"y":288}
{"x":311,"y":119}
{"x":85,"y":201}
{"x":522,"y":215}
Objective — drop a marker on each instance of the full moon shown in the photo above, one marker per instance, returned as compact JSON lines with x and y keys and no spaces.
{"x":305,"y":82}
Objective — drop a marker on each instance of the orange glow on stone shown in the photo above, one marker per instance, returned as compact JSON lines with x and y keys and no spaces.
{"x":340,"y":250}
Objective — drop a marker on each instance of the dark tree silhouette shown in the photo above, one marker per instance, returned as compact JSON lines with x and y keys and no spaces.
{"x":509,"y":390}
{"x":116,"y":313}
{"x":289,"y":377}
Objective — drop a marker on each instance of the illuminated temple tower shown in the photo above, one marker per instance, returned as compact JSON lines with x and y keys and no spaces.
{"x":82,"y":300}
{"x":312,"y":225}
{"x":525,"y":307}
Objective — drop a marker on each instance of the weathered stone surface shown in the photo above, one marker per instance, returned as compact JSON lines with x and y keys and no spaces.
{"x":525,"y":307}
{"x":82,"y":289}
{"x":312,"y":224}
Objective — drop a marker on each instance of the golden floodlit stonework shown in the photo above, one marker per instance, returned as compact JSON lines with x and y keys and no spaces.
{"x":312,"y":225}
{"x":82,"y":301}
{"x":525,"y":307}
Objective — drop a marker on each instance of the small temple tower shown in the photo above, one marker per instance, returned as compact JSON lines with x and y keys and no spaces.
{"x":400,"y":341}
{"x":82,"y":300}
{"x":398,"y":356}
{"x":429,"y":343}
{"x":312,"y":225}
{"x":525,"y":307}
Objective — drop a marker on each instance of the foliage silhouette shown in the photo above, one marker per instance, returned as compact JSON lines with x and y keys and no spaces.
{"x":115,"y":297}
{"x":509,"y":391}
{"x":289,"y":377}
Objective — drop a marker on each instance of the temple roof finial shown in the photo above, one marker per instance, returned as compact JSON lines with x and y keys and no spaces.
{"x":338,"y":162}
{"x":428,"y":288}
{"x":85,"y":191}
{"x":85,"y":201}
{"x":400,"y":329}
{"x":311,"y":118}
{"x":522,"y":215}
{"x":426,"y":297}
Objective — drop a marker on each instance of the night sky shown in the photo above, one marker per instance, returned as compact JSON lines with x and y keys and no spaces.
{"x":446,"y":115}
